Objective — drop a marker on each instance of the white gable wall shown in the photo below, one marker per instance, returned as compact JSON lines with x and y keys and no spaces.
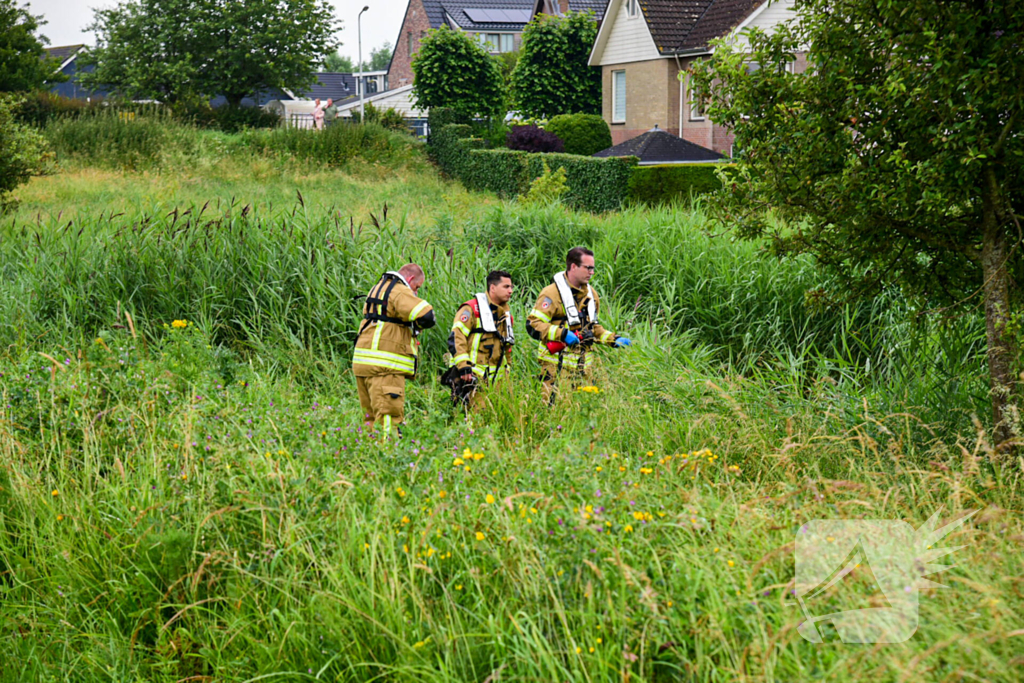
{"x":628,"y":38}
{"x":766,"y":18}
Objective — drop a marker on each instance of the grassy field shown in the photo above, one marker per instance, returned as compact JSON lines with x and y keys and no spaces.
{"x":202,"y":503}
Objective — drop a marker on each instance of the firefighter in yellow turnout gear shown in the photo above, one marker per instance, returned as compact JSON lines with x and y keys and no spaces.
{"x":564,"y":321}
{"x":481,"y":338}
{"x":386,"y":350}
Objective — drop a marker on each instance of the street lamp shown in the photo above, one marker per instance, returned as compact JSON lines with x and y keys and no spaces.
{"x":361,"y":85}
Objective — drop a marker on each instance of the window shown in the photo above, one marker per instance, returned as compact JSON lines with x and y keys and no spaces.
{"x":696,"y":105}
{"x":507,"y":42}
{"x":618,"y":97}
{"x":370,"y":84}
{"x":497,"y":42}
{"x":632,"y":8}
{"x":410,"y":43}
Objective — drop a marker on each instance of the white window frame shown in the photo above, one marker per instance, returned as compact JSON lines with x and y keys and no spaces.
{"x":632,"y":8}
{"x":615,"y":96}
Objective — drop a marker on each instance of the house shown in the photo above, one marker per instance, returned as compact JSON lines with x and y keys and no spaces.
{"x":498,"y":24}
{"x":659,"y":147}
{"x":643,"y":46}
{"x":67,"y":60}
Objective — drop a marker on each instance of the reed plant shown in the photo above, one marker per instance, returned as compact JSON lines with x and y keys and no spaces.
{"x":187,"y":491}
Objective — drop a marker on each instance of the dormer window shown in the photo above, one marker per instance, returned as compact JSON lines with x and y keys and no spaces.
{"x":632,"y":8}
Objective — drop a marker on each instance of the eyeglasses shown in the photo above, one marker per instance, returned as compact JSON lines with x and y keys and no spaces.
{"x":590,"y":268}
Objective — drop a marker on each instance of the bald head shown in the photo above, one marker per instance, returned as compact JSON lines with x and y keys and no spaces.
{"x":413,"y":274}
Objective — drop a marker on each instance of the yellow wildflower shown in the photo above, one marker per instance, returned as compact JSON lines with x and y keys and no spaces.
{"x":457,"y":462}
{"x":629,"y":527}
{"x":478,"y":456}
{"x":179,"y":324}
{"x":480,"y":536}
{"x":55,"y":493}
{"x":442,"y":494}
{"x":490,"y":499}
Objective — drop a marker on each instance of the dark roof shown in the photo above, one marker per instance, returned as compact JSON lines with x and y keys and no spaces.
{"x":63,"y":52}
{"x":679,"y":25}
{"x":661,"y":147}
{"x":596,"y":6}
{"x":490,"y":15}
{"x":457,"y":9}
{"x":330,"y":84}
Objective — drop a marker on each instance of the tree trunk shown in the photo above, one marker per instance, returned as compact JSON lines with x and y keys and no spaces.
{"x":995,"y":251}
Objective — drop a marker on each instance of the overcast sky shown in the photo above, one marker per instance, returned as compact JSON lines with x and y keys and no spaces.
{"x":67,"y":19}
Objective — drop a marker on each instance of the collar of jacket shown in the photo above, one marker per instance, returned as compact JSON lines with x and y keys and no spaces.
{"x":399,"y":276}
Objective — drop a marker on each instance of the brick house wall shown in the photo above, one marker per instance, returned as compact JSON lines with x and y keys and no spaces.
{"x":414,"y":28}
{"x":652,"y":97}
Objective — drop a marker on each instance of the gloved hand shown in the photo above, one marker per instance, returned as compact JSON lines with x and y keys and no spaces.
{"x":622,"y":341}
{"x":571,"y":338}
{"x":467,"y":375}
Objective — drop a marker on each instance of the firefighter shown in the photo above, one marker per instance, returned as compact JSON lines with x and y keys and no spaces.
{"x":386,"y":349}
{"x":480,"y":341}
{"x":564,"y":321}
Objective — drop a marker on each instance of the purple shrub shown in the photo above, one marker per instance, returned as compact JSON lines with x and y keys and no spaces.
{"x":533,"y":139}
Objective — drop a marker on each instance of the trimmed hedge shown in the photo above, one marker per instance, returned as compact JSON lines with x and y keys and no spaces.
{"x":445,"y":149}
{"x":584,"y":134}
{"x":669,"y":183}
{"x":594,"y":184}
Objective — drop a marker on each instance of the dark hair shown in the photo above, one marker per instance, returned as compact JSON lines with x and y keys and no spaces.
{"x":495,"y":276}
{"x":575,"y":256}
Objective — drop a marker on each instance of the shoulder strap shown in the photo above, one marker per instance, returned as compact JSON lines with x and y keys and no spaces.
{"x":377,"y":306}
{"x":484,"y":311}
{"x":572,"y":314}
{"x":591,"y":305}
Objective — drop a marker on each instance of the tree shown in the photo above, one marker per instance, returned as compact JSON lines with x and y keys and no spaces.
{"x":897,"y":158}
{"x":146,"y":49}
{"x":379,"y":58}
{"x":338,"y":63}
{"x":551,"y":76}
{"x":177,"y":49}
{"x":263,"y":44}
{"x":23,"y":66}
{"x":453,"y":70}
{"x":22,"y":151}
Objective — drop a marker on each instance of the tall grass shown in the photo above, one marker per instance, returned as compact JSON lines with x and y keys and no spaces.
{"x":156,"y":139}
{"x":204,"y":503}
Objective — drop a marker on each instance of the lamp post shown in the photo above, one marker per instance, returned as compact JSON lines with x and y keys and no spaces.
{"x":361,"y":85}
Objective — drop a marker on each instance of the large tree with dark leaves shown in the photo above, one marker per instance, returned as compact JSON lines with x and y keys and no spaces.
{"x":552,"y":76}
{"x":178,"y":49}
{"x":23,"y":63}
{"x":897,"y":157}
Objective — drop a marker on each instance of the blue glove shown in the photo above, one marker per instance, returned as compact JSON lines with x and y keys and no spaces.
{"x":622,"y":341}
{"x":571,"y":338}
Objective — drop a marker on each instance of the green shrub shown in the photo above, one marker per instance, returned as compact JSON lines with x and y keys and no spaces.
{"x":336,"y":145}
{"x":584,"y":134}
{"x":38,"y":108}
{"x":548,"y":188}
{"x":439,"y":117}
{"x":389,"y":118}
{"x":502,"y":171}
{"x":665,"y":184}
{"x":22,"y":151}
{"x":118,"y":138}
{"x":444,"y":149}
{"x":594,"y":184}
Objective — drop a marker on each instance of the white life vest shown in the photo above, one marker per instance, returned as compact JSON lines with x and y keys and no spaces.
{"x":487,"y":318}
{"x":572,"y":314}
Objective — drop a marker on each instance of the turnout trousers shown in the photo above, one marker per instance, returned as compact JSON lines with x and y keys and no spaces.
{"x":382,"y":398}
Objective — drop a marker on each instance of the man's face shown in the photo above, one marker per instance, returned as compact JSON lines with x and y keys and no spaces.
{"x":415,"y":283}
{"x":581,"y":274}
{"x":501,"y":293}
